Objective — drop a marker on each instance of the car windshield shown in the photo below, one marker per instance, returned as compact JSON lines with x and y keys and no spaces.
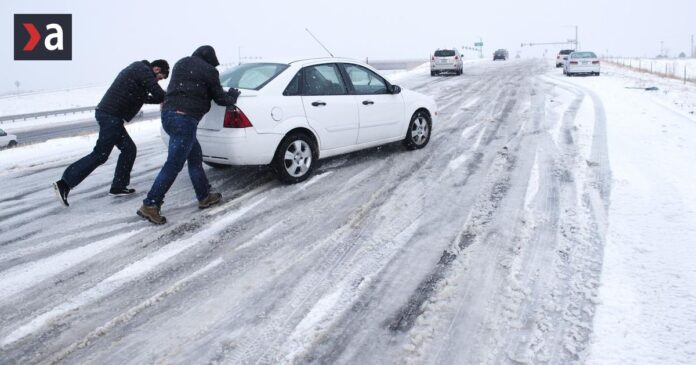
{"x":583,"y":55}
{"x":444,"y":53}
{"x":251,"y":76}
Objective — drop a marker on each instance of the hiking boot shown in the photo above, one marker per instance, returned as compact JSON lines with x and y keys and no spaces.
{"x":152,"y":214}
{"x":210,"y":200}
{"x":121,"y":191}
{"x":61,"y":188}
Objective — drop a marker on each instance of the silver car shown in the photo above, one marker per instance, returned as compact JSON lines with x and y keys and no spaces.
{"x":446,"y":60}
{"x":581,"y":63}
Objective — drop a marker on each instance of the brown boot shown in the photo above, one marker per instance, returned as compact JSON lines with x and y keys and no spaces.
{"x":152,"y":213}
{"x":210,"y":200}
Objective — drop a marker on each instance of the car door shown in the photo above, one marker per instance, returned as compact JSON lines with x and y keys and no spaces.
{"x":381,"y":113}
{"x":330,"y":109}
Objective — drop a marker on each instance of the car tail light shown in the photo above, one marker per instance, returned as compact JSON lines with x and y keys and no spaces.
{"x":235,"y":118}
{"x":456,"y":57}
{"x":573,"y":62}
{"x":595,"y":62}
{"x":559,"y":56}
{"x":433,"y":58}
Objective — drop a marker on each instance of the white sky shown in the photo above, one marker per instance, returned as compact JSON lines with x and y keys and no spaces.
{"x":108,"y":35}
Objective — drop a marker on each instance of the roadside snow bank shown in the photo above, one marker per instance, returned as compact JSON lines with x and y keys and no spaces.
{"x":61,"y":149}
{"x":647,"y":300}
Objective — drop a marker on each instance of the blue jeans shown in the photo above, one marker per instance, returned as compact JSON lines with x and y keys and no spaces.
{"x":111,"y":133}
{"x":183,"y":147}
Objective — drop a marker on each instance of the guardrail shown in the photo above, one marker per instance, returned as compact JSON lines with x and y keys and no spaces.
{"x":46,"y":114}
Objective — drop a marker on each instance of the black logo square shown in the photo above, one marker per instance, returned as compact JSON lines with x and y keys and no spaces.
{"x":43,"y":37}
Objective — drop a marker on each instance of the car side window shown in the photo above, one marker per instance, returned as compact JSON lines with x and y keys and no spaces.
{"x":322,"y":80}
{"x":365,"y":81}
{"x":2,"y":133}
{"x":293,"y":88}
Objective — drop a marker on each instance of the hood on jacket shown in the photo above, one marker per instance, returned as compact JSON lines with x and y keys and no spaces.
{"x":207,"y":53}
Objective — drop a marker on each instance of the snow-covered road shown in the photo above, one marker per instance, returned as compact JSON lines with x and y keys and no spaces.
{"x":484,"y":247}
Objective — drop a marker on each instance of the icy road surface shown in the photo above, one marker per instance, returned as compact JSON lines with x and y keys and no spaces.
{"x":484,"y":247}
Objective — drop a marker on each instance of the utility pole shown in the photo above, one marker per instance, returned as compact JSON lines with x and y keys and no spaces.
{"x":693,"y":51}
{"x":577,"y":47}
{"x":662,"y":48}
{"x":239,"y":55}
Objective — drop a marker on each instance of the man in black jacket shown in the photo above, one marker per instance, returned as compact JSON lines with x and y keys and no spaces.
{"x":134,"y":86}
{"x":195,"y":82}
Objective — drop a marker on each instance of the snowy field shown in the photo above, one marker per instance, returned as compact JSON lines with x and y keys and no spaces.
{"x":550,"y":220}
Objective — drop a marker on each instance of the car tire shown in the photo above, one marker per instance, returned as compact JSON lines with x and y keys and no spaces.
{"x":419,"y":130}
{"x":295,"y":158}
{"x":432,"y":73}
{"x":217,"y":166}
{"x":12,"y":144}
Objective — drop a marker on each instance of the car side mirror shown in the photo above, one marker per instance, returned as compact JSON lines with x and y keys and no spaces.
{"x":394,"y":89}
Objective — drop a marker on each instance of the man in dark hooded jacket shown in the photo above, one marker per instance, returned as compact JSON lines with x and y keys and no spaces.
{"x":134,"y":86}
{"x":195,"y":82}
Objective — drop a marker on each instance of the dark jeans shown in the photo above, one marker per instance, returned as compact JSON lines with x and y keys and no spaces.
{"x":111,"y":133}
{"x":183,"y":147}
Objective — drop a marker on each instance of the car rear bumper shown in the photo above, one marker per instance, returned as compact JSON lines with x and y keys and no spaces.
{"x":236,"y":146}
{"x":580,"y":69}
{"x":446,"y":67}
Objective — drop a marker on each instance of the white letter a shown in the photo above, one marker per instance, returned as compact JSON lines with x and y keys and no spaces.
{"x":58,"y":36}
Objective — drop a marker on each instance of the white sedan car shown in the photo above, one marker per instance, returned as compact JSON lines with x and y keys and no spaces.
{"x":581,"y":63}
{"x":291,"y":114}
{"x":7,"y":140}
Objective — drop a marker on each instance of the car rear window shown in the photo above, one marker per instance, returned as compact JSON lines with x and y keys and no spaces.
{"x":583,"y":55}
{"x":444,"y":53}
{"x":251,"y":76}
{"x":567,"y":51}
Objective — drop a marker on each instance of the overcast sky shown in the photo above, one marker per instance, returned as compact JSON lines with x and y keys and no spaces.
{"x":108,"y":35}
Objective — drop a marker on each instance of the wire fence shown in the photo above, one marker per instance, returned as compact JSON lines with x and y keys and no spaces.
{"x":679,"y":69}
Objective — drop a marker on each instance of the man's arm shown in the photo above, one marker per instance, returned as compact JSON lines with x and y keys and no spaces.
{"x":155,"y":92}
{"x":219,"y":95}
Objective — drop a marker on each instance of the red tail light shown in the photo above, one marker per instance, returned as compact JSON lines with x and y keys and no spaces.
{"x":456,"y":57}
{"x":559,"y":56}
{"x":433,"y":58}
{"x":235,"y":118}
{"x":573,"y":62}
{"x":595,"y":62}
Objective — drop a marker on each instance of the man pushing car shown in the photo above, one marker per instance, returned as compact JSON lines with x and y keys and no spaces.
{"x":195,"y":82}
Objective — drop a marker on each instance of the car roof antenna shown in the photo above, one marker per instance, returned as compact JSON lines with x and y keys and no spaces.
{"x":322,"y":45}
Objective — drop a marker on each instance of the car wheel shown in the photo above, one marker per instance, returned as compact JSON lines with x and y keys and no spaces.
{"x":419,"y":129}
{"x":217,"y":165}
{"x":432,"y":73}
{"x":12,"y":144}
{"x":295,"y":158}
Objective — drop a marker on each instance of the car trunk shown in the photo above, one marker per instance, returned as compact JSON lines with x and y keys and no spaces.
{"x":213,"y":120}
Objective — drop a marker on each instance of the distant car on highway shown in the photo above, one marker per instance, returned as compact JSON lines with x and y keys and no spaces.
{"x":501,"y":54}
{"x":582,"y":63}
{"x":446,"y":60}
{"x":563,"y":56}
{"x":7,"y":140}
{"x":290,"y":114}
